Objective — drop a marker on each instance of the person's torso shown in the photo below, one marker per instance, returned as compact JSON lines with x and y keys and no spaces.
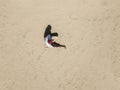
{"x":48,"y":41}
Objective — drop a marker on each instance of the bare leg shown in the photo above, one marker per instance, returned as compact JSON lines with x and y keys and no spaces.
{"x":54,"y":44}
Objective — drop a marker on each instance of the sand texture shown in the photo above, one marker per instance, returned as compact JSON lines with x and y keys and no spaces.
{"x":89,"y":28}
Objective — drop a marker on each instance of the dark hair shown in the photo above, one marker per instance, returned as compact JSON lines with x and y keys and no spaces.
{"x":49,"y":27}
{"x":47,"y":31}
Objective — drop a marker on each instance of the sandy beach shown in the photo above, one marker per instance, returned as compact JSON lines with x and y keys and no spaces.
{"x":89,"y":28}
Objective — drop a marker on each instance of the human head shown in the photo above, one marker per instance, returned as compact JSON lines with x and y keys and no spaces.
{"x":49,"y":27}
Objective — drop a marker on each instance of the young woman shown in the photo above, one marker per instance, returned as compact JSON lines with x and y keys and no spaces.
{"x":48,"y":38}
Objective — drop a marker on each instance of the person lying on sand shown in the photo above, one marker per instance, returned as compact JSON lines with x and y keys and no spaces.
{"x":48,"y":38}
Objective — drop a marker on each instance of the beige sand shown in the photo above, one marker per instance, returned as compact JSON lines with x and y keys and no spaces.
{"x":89,"y":28}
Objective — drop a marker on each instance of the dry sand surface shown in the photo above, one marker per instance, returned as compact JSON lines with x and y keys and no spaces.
{"x":89,"y":28}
